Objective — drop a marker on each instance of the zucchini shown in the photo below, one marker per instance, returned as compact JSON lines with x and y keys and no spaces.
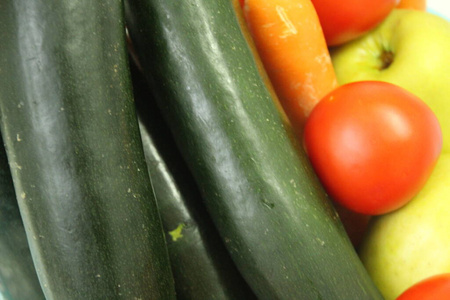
{"x":201,"y":266}
{"x":18,"y":279}
{"x":72,"y":139}
{"x":258,"y":186}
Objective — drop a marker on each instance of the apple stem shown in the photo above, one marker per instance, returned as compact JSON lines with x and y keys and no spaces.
{"x":386,"y":57}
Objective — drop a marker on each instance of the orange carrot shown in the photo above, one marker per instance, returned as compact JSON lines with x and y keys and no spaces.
{"x":290,"y":41}
{"x":413,"y":4}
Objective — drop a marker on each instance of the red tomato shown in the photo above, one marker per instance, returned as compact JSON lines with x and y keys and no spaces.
{"x":344,"y":20}
{"x":373,"y":145}
{"x":436,"y":287}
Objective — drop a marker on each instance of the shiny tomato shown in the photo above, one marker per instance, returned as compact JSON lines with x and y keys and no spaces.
{"x":345,"y":20}
{"x":373,"y":145}
{"x":436,"y":287}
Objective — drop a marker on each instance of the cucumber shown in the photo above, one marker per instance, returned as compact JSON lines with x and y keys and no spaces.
{"x":258,"y":186}
{"x":201,"y":265}
{"x":72,"y":139}
{"x":18,"y":279}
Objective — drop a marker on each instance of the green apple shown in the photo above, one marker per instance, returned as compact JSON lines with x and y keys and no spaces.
{"x":413,"y":242}
{"x":409,"y":48}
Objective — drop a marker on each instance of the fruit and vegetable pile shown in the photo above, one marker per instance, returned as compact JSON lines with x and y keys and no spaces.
{"x":199,"y":149}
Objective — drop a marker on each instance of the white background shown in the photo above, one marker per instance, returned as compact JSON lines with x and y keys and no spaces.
{"x":441,"y":7}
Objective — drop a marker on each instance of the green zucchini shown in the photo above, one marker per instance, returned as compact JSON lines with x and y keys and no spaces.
{"x":201,"y":266}
{"x":72,"y":139}
{"x":18,"y":279}
{"x":258,"y":186}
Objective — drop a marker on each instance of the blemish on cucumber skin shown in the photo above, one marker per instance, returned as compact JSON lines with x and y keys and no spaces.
{"x":320,"y":241}
{"x":177,"y":232}
{"x":267,"y":204}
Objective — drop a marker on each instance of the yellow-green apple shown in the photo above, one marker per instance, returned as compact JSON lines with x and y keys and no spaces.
{"x":410,"y":48}
{"x":413,"y":242}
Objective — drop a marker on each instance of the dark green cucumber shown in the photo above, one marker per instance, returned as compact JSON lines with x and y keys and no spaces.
{"x":18,"y":279}
{"x":201,"y":266}
{"x":259,"y":188}
{"x":72,"y":138}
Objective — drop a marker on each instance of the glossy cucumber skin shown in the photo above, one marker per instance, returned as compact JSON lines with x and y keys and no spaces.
{"x":71,"y":133}
{"x":18,"y":278}
{"x":259,"y":188}
{"x":201,"y":265}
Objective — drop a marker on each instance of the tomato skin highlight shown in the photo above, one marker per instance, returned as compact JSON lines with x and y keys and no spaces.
{"x":436,"y":287}
{"x":373,"y":145}
{"x":345,"y":20}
